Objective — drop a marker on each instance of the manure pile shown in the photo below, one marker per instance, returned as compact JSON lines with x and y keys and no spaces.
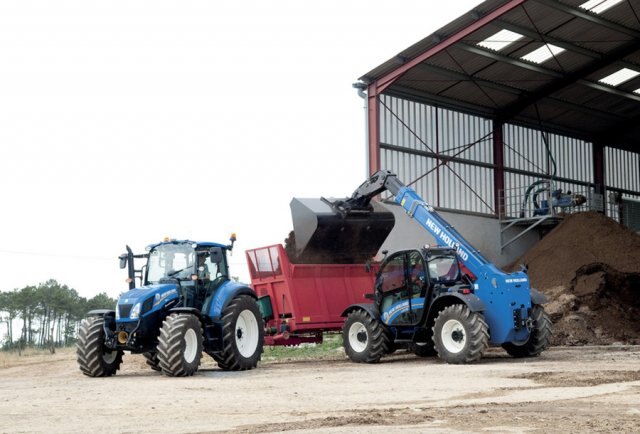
{"x":589,"y":268}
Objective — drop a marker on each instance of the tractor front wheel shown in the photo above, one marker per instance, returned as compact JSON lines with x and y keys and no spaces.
{"x":94,"y":359}
{"x":538,"y":339}
{"x":460,"y":335}
{"x":180,"y":345}
{"x":152,"y":360}
{"x":364,"y":338}
{"x":242,"y":335}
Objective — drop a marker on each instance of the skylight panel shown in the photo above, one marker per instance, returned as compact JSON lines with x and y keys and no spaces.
{"x":543,"y":53}
{"x":625,"y":74}
{"x":500,"y":40}
{"x":599,"y":6}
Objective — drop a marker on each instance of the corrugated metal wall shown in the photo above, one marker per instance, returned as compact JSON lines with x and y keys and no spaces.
{"x":455,"y":151}
{"x":622,"y":176}
{"x":622,"y":169}
{"x":416,"y":137}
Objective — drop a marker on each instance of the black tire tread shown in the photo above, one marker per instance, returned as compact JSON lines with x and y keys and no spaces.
{"x":90,"y":349}
{"x":477,"y":334}
{"x":378,"y":334}
{"x":152,"y":360}
{"x":229,"y":359}
{"x":539,"y":338}
{"x":170,"y":342}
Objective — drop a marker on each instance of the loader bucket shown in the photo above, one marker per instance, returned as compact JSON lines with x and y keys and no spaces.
{"x":324,"y":236}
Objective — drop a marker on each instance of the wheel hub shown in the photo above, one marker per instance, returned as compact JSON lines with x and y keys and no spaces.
{"x":361,"y":336}
{"x":453,"y":337}
{"x":358,"y":337}
{"x":457,"y":335}
{"x":247,"y":333}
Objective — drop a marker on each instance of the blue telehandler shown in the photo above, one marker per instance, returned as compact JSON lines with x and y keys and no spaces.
{"x":187,"y":304}
{"x":447,"y":299}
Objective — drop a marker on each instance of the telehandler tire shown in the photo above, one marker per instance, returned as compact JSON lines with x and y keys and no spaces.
{"x":152,"y":360}
{"x":538,"y":339}
{"x":364,"y":338}
{"x":242,"y":335}
{"x":460,"y":335}
{"x":180,"y":345}
{"x":94,"y":358}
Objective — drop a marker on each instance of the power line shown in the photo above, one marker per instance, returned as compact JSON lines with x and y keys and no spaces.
{"x":56,"y":255}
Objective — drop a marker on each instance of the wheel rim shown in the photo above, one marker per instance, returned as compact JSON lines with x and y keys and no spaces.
{"x":247,"y":333}
{"x":358,"y":337}
{"x":453,"y":336}
{"x":109,"y":356}
{"x":190,"y":345}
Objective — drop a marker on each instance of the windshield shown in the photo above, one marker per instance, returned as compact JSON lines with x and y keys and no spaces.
{"x":170,"y":260}
{"x":443,"y":268}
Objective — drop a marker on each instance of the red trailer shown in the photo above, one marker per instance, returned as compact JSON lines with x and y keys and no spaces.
{"x":300,"y":301}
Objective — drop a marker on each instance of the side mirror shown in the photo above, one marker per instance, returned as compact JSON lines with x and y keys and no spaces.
{"x":123,"y":261}
{"x":216,"y":255}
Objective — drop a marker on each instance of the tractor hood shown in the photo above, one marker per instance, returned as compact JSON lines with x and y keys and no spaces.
{"x":138,"y":302}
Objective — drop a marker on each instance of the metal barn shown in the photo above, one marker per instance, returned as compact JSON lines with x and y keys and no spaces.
{"x":518,"y":111}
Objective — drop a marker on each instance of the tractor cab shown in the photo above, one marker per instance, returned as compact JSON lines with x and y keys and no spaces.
{"x":409,"y":280}
{"x":197,"y":269}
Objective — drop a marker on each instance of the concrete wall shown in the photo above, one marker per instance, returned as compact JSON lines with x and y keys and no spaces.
{"x":481,"y":232}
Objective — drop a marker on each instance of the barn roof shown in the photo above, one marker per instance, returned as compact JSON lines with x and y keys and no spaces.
{"x":569,"y":66}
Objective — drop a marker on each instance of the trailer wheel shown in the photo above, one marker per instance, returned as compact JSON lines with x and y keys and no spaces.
{"x":242,"y":335}
{"x":94,"y":359}
{"x":460,"y":335}
{"x":538,"y":339}
{"x":364,"y":338}
{"x":180,"y":345}
{"x":152,"y":360}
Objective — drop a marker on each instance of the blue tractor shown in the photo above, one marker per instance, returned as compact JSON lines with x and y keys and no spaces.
{"x":447,"y":300}
{"x":187,"y":304}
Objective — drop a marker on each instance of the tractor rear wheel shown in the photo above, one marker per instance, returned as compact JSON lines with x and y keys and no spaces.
{"x":180,"y":345}
{"x":152,"y":360}
{"x":539,"y":336}
{"x":242,"y":335}
{"x":460,"y":335}
{"x":94,"y":358}
{"x":364,"y":338}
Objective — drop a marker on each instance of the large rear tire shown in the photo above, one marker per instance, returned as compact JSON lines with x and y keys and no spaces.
{"x":539,"y":336}
{"x":364,"y":338}
{"x":242,"y":335}
{"x":180,"y":345}
{"x":94,"y":359}
{"x":459,"y":335}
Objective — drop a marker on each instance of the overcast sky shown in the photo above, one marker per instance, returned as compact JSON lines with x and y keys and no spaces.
{"x":124,"y":122}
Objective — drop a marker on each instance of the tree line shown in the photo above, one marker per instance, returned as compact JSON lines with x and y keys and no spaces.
{"x":45,"y":316}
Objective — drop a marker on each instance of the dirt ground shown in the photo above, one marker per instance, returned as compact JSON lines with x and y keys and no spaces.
{"x":567,"y":389}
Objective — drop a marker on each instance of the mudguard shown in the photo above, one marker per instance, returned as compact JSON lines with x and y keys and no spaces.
{"x":224,"y":294}
{"x":538,"y":297}
{"x":367,"y":307}
{"x":190,"y":310}
{"x":101,"y":312}
{"x":473,"y":302}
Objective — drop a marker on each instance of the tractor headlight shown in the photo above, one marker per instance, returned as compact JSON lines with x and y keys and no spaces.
{"x":135,"y":312}
{"x":117,"y":311}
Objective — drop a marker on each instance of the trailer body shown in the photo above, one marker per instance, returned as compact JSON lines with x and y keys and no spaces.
{"x":301,"y":301}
